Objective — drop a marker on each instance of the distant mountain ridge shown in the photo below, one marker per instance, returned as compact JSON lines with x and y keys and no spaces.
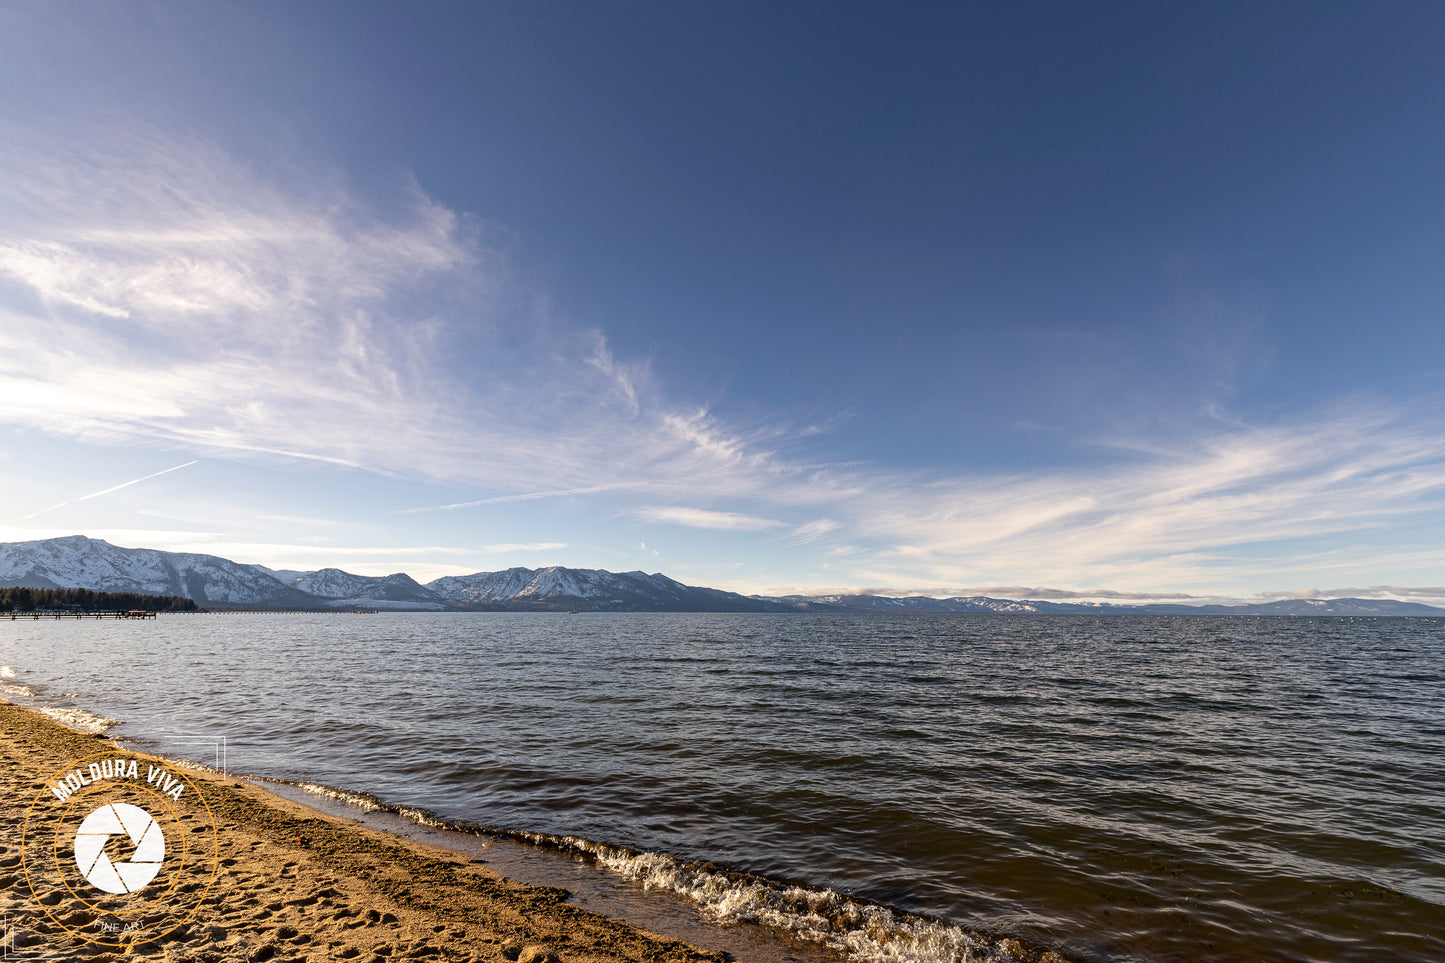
{"x":76,"y":561}
{"x":336,"y":584}
{"x":596,"y":589}
{"x":982,"y":603}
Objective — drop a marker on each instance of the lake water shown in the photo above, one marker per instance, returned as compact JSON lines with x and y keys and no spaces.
{"x":1153,"y":788}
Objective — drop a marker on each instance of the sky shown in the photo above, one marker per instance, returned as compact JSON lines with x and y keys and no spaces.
{"x":1049,"y":300}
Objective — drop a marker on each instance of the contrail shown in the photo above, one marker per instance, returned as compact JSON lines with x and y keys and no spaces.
{"x":526,"y":497}
{"x":136,"y":481}
{"x":106,"y":491}
{"x":48,"y":508}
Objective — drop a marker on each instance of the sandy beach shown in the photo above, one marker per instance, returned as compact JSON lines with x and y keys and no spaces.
{"x":293,"y":884}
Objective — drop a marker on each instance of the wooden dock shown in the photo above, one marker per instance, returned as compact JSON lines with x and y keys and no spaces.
{"x":107,"y":614}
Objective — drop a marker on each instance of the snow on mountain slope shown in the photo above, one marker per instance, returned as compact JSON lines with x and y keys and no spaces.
{"x":483,"y":586}
{"x":334,"y":583}
{"x":285,"y":576}
{"x":593,"y":589}
{"x":553,"y":581}
{"x":79,"y":562}
{"x":982,"y":603}
{"x":76,"y":561}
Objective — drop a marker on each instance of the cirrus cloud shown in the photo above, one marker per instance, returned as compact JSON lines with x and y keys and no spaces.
{"x":158,"y":291}
{"x":704,"y":518}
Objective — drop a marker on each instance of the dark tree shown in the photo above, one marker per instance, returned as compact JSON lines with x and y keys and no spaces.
{"x":21,"y":599}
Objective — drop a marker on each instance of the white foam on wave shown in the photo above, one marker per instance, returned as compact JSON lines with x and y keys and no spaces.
{"x":359,"y":800}
{"x":87,"y":722}
{"x":866,"y":932}
{"x":197,"y":766}
{"x":422,"y":818}
{"x":13,"y":688}
{"x":78,"y":719}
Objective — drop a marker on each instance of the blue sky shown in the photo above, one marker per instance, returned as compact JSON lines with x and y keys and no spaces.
{"x":1131,"y":300}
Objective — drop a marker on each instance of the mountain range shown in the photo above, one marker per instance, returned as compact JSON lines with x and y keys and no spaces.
{"x":76,"y":561}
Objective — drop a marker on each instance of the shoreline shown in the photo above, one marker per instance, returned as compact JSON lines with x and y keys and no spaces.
{"x":689,"y":910}
{"x":296,"y":883}
{"x":1103,"y":874}
{"x":309,"y":874}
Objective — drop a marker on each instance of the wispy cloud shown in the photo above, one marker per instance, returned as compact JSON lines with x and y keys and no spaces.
{"x":628,"y":378}
{"x":523,"y":497}
{"x":509,"y":547}
{"x":705,"y":518}
{"x":814,"y":530}
{"x":1227,"y":504}
{"x":1370,"y":592}
{"x":158,"y":290}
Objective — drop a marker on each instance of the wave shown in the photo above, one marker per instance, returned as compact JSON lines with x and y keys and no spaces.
{"x":78,"y":719}
{"x":87,"y":722}
{"x":360,"y":800}
{"x":864,"y":931}
{"x":14,"y":688}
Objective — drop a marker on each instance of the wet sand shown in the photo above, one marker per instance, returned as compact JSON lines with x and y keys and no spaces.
{"x":296,"y":884}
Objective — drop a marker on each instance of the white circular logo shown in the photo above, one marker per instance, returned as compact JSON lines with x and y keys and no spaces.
{"x":115,"y":819}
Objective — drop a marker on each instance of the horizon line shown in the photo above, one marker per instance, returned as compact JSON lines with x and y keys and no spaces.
{"x":1013,"y":593}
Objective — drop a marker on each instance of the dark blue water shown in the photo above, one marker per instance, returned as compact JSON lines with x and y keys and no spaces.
{"x":1113,"y":787}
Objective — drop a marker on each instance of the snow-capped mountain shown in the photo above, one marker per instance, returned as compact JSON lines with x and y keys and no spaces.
{"x":334,"y":583}
{"x":920,"y":603}
{"x":592,"y":589}
{"x":1324,"y":607}
{"x":79,"y":562}
{"x":982,"y":603}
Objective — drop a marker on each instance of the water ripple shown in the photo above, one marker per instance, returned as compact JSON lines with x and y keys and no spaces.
{"x":1119,"y":788}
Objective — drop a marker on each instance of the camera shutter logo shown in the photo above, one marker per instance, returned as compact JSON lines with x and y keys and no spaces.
{"x":119,"y":819}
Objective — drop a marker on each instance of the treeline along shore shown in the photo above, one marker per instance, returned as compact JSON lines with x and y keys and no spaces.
{"x":27,"y":600}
